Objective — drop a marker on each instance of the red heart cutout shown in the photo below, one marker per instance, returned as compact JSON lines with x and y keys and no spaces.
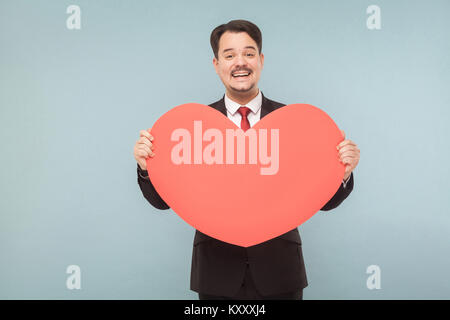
{"x":236,"y":203}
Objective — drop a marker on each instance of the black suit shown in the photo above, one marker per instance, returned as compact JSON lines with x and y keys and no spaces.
{"x":218,"y":267}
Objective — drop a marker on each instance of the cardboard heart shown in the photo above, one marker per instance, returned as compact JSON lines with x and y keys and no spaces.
{"x":235,"y":202}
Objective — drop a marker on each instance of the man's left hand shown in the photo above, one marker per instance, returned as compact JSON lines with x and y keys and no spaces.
{"x":348,"y":155}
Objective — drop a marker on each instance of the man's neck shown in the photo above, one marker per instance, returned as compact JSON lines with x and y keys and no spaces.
{"x":243,"y":98}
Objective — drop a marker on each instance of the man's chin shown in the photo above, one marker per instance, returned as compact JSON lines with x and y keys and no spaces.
{"x":243,"y":89}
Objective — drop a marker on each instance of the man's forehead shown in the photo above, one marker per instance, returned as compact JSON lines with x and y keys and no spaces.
{"x":231,"y":43}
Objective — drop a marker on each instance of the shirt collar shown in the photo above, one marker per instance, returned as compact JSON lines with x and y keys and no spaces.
{"x":253,"y":105}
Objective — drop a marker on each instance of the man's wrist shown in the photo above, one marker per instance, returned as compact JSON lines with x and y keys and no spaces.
{"x":142,"y":173}
{"x":345,"y":181}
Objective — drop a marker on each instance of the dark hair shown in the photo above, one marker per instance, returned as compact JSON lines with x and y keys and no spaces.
{"x":235,"y":26}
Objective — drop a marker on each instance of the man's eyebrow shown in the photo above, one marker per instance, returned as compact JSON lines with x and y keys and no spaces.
{"x":247,"y":47}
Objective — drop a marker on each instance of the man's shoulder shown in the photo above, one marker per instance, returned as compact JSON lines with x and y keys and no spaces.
{"x":276,"y":104}
{"x":216,"y":104}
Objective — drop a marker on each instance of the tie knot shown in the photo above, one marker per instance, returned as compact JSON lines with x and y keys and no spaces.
{"x":244,"y":111}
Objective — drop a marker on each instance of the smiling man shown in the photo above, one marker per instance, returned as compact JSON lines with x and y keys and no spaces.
{"x":273,"y":269}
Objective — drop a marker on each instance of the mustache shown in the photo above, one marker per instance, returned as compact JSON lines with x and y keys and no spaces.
{"x":242,"y":69}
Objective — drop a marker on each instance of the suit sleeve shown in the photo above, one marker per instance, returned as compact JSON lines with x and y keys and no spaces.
{"x":148,"y":190}
{"x":340,"y":195}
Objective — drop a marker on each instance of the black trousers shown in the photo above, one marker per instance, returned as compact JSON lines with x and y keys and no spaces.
{"x":248,"y":292}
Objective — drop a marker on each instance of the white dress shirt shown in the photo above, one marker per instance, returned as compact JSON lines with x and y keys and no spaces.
{"x":253,"y":117}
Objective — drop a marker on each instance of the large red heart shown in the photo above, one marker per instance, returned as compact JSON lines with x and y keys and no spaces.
{"x":236,"y":203}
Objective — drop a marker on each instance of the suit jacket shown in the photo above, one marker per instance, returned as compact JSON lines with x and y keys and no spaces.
{"x":218,"y":267}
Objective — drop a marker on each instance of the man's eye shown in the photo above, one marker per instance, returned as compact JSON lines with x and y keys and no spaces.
{"x":228,"y":56}
{"x":250,"y":54}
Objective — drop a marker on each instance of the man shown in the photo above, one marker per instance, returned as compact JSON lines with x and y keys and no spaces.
{"x":273,"y":269}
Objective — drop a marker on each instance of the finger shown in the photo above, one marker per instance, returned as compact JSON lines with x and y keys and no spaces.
{"x":348,"y":160}
{"x":148,"y":152}
{"x":344,"y":143}
{"x":348,"y":147}
{"x":142,"y":153}
{"x":343,"y":134}
{"x":350,"y":154}
{"x":145,"y":148}
{"x":146,"y":133}
{"x":145,"y":154}
{"x":145,"y":141}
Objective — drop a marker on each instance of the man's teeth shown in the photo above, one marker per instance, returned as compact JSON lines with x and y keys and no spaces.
{"x":240,"y":74}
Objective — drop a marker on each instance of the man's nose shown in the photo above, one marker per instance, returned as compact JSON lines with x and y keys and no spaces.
{"x":241,"y":60}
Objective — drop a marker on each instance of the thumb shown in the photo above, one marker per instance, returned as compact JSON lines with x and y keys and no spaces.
{"x":343,"y":133}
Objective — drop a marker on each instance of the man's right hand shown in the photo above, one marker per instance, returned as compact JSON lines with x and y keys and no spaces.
{"x":143,"y":148}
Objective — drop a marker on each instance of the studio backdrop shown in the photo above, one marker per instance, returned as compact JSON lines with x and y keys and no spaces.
{"x":79,"y":79}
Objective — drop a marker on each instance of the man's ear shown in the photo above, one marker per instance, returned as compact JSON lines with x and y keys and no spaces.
{"x":262,"y":60}
{"x":215,"y":62}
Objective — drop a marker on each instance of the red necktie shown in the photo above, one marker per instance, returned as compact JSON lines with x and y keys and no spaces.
{"x":244,"y":111}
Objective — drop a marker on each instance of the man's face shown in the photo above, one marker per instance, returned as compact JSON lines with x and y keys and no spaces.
{"x":239,"y":63}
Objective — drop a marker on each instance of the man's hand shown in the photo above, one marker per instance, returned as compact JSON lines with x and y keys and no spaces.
{"x":349,"y":155}
{"x":143,"y":148}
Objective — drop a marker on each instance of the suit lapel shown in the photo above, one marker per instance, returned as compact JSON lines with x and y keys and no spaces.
{"x":220,"y":106}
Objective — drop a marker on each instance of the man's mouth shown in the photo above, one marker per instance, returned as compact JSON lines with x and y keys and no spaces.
{"x":241,"y":74}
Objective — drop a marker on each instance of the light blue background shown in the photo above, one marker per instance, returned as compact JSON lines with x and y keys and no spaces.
{"x":73,"y":102}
